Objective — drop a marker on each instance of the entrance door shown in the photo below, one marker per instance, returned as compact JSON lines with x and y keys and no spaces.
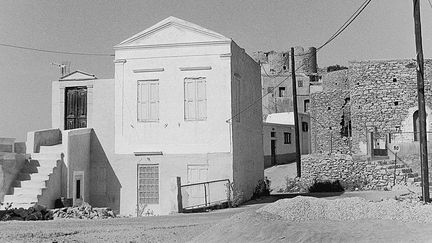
{"x":198,"y":194}
{"x":273,"y":151}
{"x":75,"y":107}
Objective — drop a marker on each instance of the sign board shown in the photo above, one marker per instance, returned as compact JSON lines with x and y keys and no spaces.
{"x":396,"y":148}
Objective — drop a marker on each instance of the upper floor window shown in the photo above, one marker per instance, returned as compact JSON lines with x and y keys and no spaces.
{"x":305,"y":126}
{"x":300,"y":83}
{"x":306,"y":105}
{"x":195,"y":99}
{"x":287,"y":138}
{"x":281,"y":91}
{"x":148,"y":100}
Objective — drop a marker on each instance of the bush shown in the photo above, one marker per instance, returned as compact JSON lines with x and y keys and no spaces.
{"x":262,"y":189}
{"x":326,"y":186}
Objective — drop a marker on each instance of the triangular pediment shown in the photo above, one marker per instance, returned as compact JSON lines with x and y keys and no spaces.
{"x":78,"y":76}
{"x":172,"y":31}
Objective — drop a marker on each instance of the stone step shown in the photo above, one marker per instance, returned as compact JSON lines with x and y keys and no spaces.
{"x":39,"y":177}
{"x":20,"y":199}
{"x":27,"y":191}
{"x":34,"y":183}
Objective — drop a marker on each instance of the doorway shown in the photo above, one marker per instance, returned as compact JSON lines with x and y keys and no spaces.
{"x":273,"y":151}
{"x":75,"y":107}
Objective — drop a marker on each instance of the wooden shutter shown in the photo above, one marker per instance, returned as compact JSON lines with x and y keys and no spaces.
{"x":143,"y":97}
{"x":189,"y":101}
{"x":154,"y":101}
{"x":148,"y":100}
{"x":201,"y":101}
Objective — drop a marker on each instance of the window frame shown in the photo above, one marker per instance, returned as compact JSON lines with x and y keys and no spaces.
{"x":305,"y":127}
{"x":287,"y":138}
{"x":149,"y":102}
{"x":156,"y":193}
{"x":195,"y":100}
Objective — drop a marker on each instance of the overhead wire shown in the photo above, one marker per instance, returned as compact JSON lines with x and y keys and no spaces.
{"x":54,"y":51}
{"x":347,"y":23}
{"x":336,"y":34}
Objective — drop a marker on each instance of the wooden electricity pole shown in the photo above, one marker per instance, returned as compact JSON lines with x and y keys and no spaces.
{"x":297,"y":133}
{"x":421,"y":103}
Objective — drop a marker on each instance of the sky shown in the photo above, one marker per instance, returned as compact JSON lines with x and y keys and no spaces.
{"x":385,"y":30}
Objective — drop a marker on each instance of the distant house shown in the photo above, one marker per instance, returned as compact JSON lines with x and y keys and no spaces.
{"x":279,"y":138}
{"x":174,"y":109}
{"x":276,"y":79}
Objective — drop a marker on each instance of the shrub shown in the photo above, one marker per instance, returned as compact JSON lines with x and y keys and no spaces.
{"x":326,"y":186}
{"x":262,"y":189}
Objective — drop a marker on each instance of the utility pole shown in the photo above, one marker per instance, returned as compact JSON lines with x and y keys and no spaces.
{"x":421,"y":103}
{"x":297,"y":133}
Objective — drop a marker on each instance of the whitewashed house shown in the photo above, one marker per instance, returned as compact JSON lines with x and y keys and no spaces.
{"x":166,"y":114}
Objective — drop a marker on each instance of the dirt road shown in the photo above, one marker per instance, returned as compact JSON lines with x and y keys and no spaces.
{"x":175,"y":228}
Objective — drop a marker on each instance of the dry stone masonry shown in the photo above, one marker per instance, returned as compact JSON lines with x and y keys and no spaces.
{"x":372,"y":105}
{"x":358,"y":173}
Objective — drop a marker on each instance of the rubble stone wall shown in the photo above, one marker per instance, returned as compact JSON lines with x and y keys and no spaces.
{"x":326,"y":111}
{"x":359,"y":172}
{"x":384,"y":97}
{"x":379,"y":96}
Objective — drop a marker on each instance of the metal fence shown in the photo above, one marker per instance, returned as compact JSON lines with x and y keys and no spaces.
{"x":205,"y":194}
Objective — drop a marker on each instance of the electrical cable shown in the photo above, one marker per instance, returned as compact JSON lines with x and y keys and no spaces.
{"x":336,"y":34}
{"x":347,"y":23}
{"x":58,"y":52}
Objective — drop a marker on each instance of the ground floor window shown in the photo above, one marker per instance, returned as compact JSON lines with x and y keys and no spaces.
{"x":148,"y":184}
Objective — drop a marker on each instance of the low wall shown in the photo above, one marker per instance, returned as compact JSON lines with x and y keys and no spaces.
{"x":76,"y":159}
{"x":47,"y":137}
{"x":360,"y":172}
{"x":10,"y":165}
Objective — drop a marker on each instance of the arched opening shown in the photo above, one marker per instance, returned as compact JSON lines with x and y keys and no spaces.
{"x":416,"y":126}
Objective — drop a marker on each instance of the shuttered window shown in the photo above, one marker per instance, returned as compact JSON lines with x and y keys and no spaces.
{"x":148,"y":100}
{"x":195,"y":99}
{"x":148,"y":184}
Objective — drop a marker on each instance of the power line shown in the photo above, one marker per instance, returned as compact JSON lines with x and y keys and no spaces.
{"x":347,"y":23}
{"x":58,"y":52}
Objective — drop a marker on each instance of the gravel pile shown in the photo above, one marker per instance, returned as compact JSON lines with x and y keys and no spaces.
{"x":310,"y":209}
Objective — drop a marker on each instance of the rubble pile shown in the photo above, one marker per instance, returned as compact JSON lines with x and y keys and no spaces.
{"x":310,"y":209}
{"x":85,"y":211}
{"x":36,"y":212}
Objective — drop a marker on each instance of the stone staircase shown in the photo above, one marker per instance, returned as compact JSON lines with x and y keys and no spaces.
{"x":386,"y":171}
{"x":37,"y":180}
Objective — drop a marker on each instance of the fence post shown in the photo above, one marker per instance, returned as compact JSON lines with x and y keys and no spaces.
{"x":229,"y":193}
{"x":205,"y":194}
{"x":179,"y":196}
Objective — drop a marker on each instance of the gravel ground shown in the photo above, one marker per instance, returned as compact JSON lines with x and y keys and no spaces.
{"x":310,"y":209}
{"x":174,"y":228}
{"x":307,"y":219}
{"x":277,"y":175}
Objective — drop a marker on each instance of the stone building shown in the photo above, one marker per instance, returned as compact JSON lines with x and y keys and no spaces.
{"x":276,"y":79}
{"x":365,"y":124}
{"x":369,"y":107}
